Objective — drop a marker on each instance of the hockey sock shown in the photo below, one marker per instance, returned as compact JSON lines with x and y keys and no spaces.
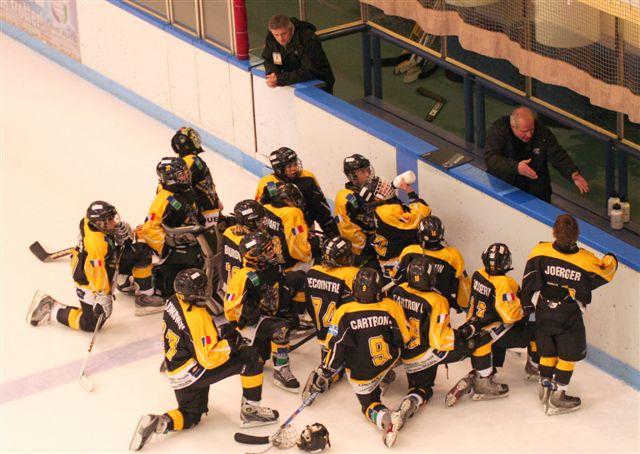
{"x":176,"y":420}
{"x":252,"y":386}
{"x":532,"y":351}
{"x":563,"y":372}
{"x":418,"y":395}
{"x":547,"y":366}
{"x":280,"y":354}
{"x":54,"y":311}
{"x":485,"y":372}
{"x":374,"y":413}
{"x":69,"y":316}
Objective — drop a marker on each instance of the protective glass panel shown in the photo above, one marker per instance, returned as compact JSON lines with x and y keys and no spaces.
{"x":158,"y":7}
{"x":216,"y":21}
{"x":345,"y":56}
{"x":631,"y":130}
{"x":184,"y":14}
{"x":329,"y":13}
{"x":258,"y":14}
{"x":633,"y":166}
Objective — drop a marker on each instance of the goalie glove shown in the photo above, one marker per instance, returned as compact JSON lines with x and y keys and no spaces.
{"x":103,"y":304}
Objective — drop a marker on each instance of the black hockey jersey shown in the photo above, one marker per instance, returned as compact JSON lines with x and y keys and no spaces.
{"x":202,"y":182}
{"x":570,"y":275}
{"x":231,"y":256}
{"x":366,"y":338}
{"x":325,"y":290}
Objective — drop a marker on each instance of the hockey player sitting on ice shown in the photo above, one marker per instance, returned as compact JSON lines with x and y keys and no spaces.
{"x":366,"y":336}
{"x":565,"y":275}
{"x":287,"y":168}
{"x":396,"y":223}
{"x":494,"y":308}
{"x":199,"y":352}
{"x":451,"y":278}
{"x":355,"y":221}
{"x":257,"y":303}
{"x":104,"y":242}
{"x":249,"y":217}
{"x":174,"y":224}
{"x":330,"y":284}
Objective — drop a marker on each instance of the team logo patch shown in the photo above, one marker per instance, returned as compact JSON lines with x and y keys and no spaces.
{"x":174,"y":203}
{"x":254,"y":278}
{"x":297,"y":230}
{"x":508,"y":297}
{"x":206,"y":340}
{"x":353,"y":201}
{"x":333,"y":330}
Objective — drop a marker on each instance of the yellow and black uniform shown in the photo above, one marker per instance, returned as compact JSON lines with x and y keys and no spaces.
{"x":397,"y":228}
{"x":290,"y":233}
{"x":495,"y":301}
{"x":366,"y":338}
{"x":197,"y":357}
{"x":316,"y":206}
{"x":231,"y":256}
{"x":355,"y":222}
{"x":565,"y":279}
{"x":257,"y":302}
{"x":451,"y":278}
{"x":203,"y":186}
{"x":94,"y":262}
{"x":172,"y":209}
{"x":427,"y":314}
{"x":326,"y":289}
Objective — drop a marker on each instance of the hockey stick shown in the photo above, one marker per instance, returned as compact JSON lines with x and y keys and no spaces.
{"x":439,"y":102}
{"x":303,"y":341}
{"x":45,"y":256}
{"x":85,"y":382}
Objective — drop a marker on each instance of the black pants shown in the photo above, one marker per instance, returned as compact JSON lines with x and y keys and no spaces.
{"x":177,"y":260}
{"x":520,"y":335}
{"x":560,"y":330}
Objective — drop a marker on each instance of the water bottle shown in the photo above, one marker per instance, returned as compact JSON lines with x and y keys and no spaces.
{"x":613,"y":199}
{"x":616,"y":217}
{"x":409,"y":177}
{"x":626,"y":209}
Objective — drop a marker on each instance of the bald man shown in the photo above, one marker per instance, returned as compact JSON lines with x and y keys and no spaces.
{"x":518,"y":150}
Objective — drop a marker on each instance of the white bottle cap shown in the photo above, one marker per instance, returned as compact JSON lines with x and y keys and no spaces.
{"x":409,"y":177}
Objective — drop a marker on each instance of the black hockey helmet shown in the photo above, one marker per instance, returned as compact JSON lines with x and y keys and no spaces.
{"x":337,"y":252}
{"x":174,"y":174}
{"x":356,"y":162}
{"x":421,"y":274}
{"x":283,"y":157}
{"x":249,"y":214}
{"x":288,"y":194}
{"x":430,"y":231}
{"x":497,"y":259}
{"x":367,"y":286}
{"x":103,"y":216}
{"x":257,"y":250}
{"x":190,"y":285}
{"x":314,"y":438}
{"x":186,"y":141}
{"x":376,"y":190}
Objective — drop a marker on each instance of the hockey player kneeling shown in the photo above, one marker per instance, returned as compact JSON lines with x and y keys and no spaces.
{"x":105,"y":243}
{"x":199,"y":354}
{"x":365,"y":336}
{"x":257,"y":303}
{"x":497,"y":319}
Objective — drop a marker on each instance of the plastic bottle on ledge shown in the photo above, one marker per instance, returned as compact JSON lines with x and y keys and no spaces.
{"x":626,"y":209}
{"x":409,"y":177}
{"x":616,"y":217}
{"x":612,"y":199}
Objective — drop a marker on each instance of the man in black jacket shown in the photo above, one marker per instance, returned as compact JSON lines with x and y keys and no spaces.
{"x":518,"y":150}
{"x":293,"y":54}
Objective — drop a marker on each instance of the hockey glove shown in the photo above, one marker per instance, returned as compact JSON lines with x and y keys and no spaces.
{"x":232,"y":336}
{"x":316,"y":247}
{"x":250,"y":315}
{"x":103,"y":304}
{"x":318,"y":381}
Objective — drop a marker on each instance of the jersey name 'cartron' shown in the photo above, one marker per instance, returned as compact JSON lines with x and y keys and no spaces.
{"x":370,"y":322}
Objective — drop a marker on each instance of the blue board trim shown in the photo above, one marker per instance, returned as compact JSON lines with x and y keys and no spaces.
{"x":467,"y":173}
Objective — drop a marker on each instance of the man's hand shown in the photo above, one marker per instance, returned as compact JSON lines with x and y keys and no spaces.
{"x":526,"y":171}
{"x":580,"y":182}
{"x":272,"y":80}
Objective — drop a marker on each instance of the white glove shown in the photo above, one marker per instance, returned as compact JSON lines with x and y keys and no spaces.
{"x":103,"y":304}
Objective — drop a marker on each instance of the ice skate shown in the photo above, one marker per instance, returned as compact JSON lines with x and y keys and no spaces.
{"x":407,"y":409}
{"x":148,"y":304}
{"x":284,"y":378}
{"x":484,"y":388}
{"x":460,"y":389}
{"x":148,"y":426}
{"x":531,"y":370}
{"x":390,"y":424}
{"x":253,"y":415}
{"x":559,"y":402}
{"x":544,"y":391}
{"x":387,"y":381}
{"x":126,"y":285}
{"x":40,"y":309}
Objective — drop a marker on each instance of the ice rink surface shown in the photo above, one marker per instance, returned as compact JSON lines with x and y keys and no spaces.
{"x":66,"y":143}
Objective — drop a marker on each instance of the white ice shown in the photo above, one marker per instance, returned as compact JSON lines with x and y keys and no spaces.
{"x":66,"y":143}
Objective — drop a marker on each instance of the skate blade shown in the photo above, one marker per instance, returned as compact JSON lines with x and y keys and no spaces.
{"x":86,"y":383}
{"x":489,"y":396}
{"x":456,"y":393}
{"x":391,"y":436}
{"x":37,"y":296}
{"x":248,"y":424}
{"x":141,"y":311}
{"x":553,"y":411}
{"x":281,"y":386}
{"x":137,"y":440}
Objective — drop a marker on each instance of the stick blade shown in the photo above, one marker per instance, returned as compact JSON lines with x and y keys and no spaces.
{"x":250,"y":439}
{"x":37,"y":250}
{"x":86,"y":383}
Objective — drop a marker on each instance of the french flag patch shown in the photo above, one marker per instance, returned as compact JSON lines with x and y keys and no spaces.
{"x":297,"y":230}
{"x":96,"y":263}
{"x":230,"y":296}
{"x":442,"y":318}
{"x":206,"y":340}
{"x":508,"y":297}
